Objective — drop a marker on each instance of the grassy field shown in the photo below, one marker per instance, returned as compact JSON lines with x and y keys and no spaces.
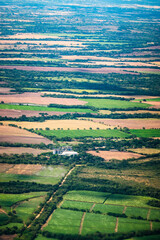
{"x":109,"y":103}
{"x":86,"y":196}
{"x":25,"y":209}
{"x":43,"y":108}
{"x":97,"y":222}
{"x":151,"y":237}
{"x":145,"y":150}
{"x":137,"y":212}
{"x":10,"y":225}
{"x":108,"y":208}
{"x":85,"y":206}
{"x":40,"y":237}
{"x":146,"y":133}
{"x":47,"y":175}
{"x":128,"y":200}
{"x":3,"y":218}
{"x":7,"y":200}
{"x":155,"y":214}
{"x":128,"y":225}
{"x":84,"y":133}
{"x":64,"y":221}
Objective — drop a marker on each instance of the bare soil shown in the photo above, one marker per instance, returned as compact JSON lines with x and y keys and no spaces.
{"x":20,"y":150}
{"x":18,"y":113}
{"x":108,"y":155}
{"x":148,"y":123}
{"x":7,"y":237}
{"x":5,"y":90}
{"x":36,"y":98}
{"x":25,"y":169}
{"x":16,"y":135}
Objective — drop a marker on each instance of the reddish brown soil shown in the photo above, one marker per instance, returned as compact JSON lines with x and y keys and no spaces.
{"x":108,"y":155}
{"x":5,"y":90}
{"x":25,"y":169}
{"x":18,"y":113}
{"x":131,"y":123}
{"x":104,"y":70}
{"x":16,"y":135}
{"x":36,"y":98}
{"x":21,"y":150}
{"x":7,"y":237}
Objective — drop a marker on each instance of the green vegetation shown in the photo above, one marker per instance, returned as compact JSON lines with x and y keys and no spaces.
{"x":128,"y":200}
{"x":3,"y":218}
{"x":96,"y":222}
{"x":108,"y":208}
{"x":26,"y":208}
{"x":128,"y":225}
{"x":146,"y":133}
{"x":64,"y":221}
{"x":154,"y":214}
{"x":137,"y":212}
{"x":82,"y":206}
{"x":109,"y":104}
{"x":87,"y":196}
{"x":10,"y":225}
{"x":8,"y":200}
{"x":83,"y":133}
{"x":43,"y":108}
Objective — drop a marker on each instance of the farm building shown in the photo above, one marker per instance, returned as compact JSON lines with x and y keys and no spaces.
{"x":64,"y":151}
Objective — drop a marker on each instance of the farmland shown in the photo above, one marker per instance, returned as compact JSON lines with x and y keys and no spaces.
{"x":79,"y":77}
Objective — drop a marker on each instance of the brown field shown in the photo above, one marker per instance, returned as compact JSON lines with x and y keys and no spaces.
{"x":16,"y":135}
{"x":109,"y":155}
{"x":36,"y":98}
{"x":26,"y":169}
{"x":154,"y":104}
{"x":30,"y":36}
{"x":131,"y":123}
{"x":5,"y":90}
{"x":5,"y":167}
{"x":20,"y":150}
{"x":117,"y":64}
{"x":145,"y":150}
{"x":18,"y":113}
{"x":60,"y":124}
{"x":104,"y":70}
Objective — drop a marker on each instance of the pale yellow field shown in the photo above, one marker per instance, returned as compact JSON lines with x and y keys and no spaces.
{"x":145,"y":150}
{"x":60,"y":124}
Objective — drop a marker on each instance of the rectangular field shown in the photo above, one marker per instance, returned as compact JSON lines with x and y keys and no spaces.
{"x":65,"y":222}
{"x":129,"y":225}
{"x":83,"y":206}
{"x":84,"y":133}
{"x":87,"y":196}
{"x":137,"y":212}
{"x":21,"y":150}
{"x":108,"y":208}
{"x":146,"y":133}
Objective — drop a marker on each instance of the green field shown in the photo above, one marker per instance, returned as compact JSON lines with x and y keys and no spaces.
{"x":65,"y":222}
{"x":84,"y":206}
{"x":25,"y":209}
{"x":10,"y":225}
{"x":109,"y":103}
{"x":86,"y":196}
{"x":108,"y":208}
{"x":3,"y":218}
{"x":136,"y":212}
{"x":146,"y":133}
{"x":48,"y":175}
{"x":151,"y":237}
{"x":40,"y":237}
{"x":44,"y":108}
{"x":84,"y":133}
{"x":129,"y":225}
{"x":97,"y":222}
{"x":128,"y":200}
{"x":7,"y":200}
{"x":154,"y":214}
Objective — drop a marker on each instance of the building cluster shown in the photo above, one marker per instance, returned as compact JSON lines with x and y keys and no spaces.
{"x":65,"y":151}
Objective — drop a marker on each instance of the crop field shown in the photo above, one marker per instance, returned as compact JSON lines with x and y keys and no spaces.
{"x":146,"y":133}
{"x":128,"y":200}
{"x":137,"y":212}
{"x":10,"y":225}
{"x":40,"y":237}
{"x":108,"y":155}
{"x":3,"y":218}
{"x":32,"y":173}
{"x":21,"y":150}
{"x":42,"y":109}
{"x":7,"y":200}
{"x":16,"y":135}
{"x":64,"y":221}
{"x":36,"y":98}
{"x":26,"y":208}
{"x":154,"y":214}
{"x":103,"y":208}
{"x":87,"y":196}
{"x":71,"y":204}
{"x":134,"y":123}
{"x":84,"y":133}
{"x":60,"y":124}
{"x":96,"y":222}
{"x":108,"y":103}
{"x":129,"y":225}
{"x":145,"y":150}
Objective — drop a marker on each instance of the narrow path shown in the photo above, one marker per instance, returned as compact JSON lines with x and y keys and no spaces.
{"x":63,"y":181}
{"x":3,"y":211}
{"x":47,"y":221}
{"x":116,"y":228}
{"x":92,"y":207}
{"x":148,"y":214}
{"x":151,"y":226}
{"x":82,"y":221}
{"x":124,"y":210}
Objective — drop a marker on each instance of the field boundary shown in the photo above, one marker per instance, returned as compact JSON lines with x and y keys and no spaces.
{"x":81,"y":224}
{"x":116,"y":227}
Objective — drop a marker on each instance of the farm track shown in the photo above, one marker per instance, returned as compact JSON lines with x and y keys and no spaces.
{"x":3,"y":211}
{"x":116,"y":228}
{"x":124,"y":210}
{"x":92,"y":207}
{"x":82,"y":221}
{"x":148,"y":214}
{"x":50,"y":199}
{"x":151,"y":226}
